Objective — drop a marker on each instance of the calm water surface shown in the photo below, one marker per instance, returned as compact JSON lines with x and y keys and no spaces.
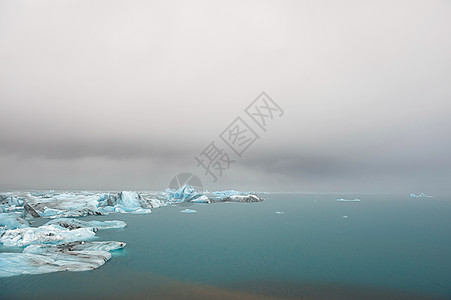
{"x":388,"y":247}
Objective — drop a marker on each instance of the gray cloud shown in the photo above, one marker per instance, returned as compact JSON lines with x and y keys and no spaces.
{"x":125,"y":94}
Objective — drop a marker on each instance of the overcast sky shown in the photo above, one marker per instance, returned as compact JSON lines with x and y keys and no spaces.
{"x":125,"y":94}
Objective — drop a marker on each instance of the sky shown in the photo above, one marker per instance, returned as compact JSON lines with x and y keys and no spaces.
{"x":114,"y":95}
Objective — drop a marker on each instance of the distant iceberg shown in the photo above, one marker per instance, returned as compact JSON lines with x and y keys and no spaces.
{"x":421,"y":195}
{"x":348,"y":200}
{"x":185,"y":193}
{"x":188,"y":211}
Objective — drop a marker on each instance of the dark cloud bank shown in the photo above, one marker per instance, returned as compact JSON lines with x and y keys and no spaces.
{"x":124,"y":95}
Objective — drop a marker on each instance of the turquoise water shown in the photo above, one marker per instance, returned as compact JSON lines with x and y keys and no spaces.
{"x":388,"y":247}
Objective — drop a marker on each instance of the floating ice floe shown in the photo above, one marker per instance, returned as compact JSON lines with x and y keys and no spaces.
{"x":421,"y":195}
{"x":280,"y":212}
{"x":188,"y":211}
{"x":348,"y":200}
{"x":345,"y":217}
{"x":56,"y":232}
{"x":95,"y":225}
{"x":47,"y":234}
{"x":39,"y":259}
{"x":58,"y":245}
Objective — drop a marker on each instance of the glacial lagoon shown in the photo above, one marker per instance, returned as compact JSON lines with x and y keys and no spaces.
{"x":289,"y":246}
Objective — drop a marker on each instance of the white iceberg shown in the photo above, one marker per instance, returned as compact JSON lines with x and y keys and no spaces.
{"x":241,"y":198}
{"x":56,"y":231}
{"x":126,"y":202}
{"x":227,"y":193}
{"x":47,"y":234}
{"x":75,"y":224}
{"x":201,"y":199}
{"x":348,"y":200}
{"x":74,"y":246}
{"x":182,"y":194}
{"x":188,"y":211}
{"x":421,"y":195}
{"x":39,"y":259}
{"x":13,"y":220}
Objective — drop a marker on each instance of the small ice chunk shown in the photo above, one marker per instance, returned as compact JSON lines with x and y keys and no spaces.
{"x":280,"y":212}
{"x":345,"y":217}
{"x":188,"y":211}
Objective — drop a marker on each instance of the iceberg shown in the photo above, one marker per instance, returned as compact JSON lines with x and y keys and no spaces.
{"x":126,"y":202}
{"x":64,"y":243}
{"x":201,"y":199}
{"x":188,"y":211}
{"x":74,"y":246}
{"x":234,"y":196}
{"x":39,"y":259}
{"x":12,"y":264}
{"x":185,"y":193}
{"x":55,"y":205}
{"x":46,"y":234}
{"x":241,"y":198}
{"x":13,"y":220}
{"x":421,"y":195}
{"x":94,"y":225}
{"x":56,"y":231}
{"x":58,"y":245}
{"x":348,"y":200}
{"x":227,"y":193}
